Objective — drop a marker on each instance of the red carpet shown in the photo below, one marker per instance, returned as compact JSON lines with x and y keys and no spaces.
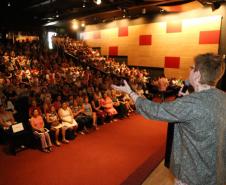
{"x":122,"y":152}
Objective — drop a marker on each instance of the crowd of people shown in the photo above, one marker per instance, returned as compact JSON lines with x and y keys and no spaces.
{"x":140,"y":79}
{"x":61,"y":94}
{"x":68,"y":88}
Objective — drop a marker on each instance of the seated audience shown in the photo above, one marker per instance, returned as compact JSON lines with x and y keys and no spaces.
{"x":86,"y":106}
{"x":39,"y":130}
{"x":46,"y":105}
{"x":33,"y":107}
{"x":96,"y":105}
{"x":10,"y":106}
{"x":109,"y":106}
{"x":57,"y":103}
{"x":119,"y":106}
{"x":124,"y":98}
{"x":80,"y":117}
{"x":67,"y":117}
{"x":6,"y":118}
{"x":55,"y":125}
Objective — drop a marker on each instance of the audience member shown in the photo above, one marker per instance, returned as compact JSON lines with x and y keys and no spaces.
{"x":39,"y":130}
{"x":67,"y":118}
{"x":55,"y":125}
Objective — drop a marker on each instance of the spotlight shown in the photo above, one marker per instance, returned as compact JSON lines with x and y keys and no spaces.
{"x":84,"y":3}
{"x":125,"y":12}
{"x":57,"y":14}
{"x":161,"y":10}
{"x":98,"y":2}
{"x":74,"y":24}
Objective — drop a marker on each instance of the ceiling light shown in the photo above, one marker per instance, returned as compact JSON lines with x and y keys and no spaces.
{"x":125,"y":12}
{"x":83,"y":25}
{"x":161,"y":10}
{"x":57,"y":14}
{"x":9,"y":4}
{"x":83,"y":5}
{"x":98,"y":2}
{"x":51,"y":23}
{"x":74,"y":25}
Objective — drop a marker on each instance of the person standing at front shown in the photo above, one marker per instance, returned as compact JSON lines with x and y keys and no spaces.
{"x":199,"y":146}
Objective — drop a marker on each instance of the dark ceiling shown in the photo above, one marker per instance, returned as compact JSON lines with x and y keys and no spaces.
{"x":25,"y":13}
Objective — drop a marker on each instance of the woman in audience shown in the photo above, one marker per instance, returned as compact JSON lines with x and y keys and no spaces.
{"x":10,"y":106}
{"x":67,"y":118}
{"x":33,"y":107}
{"x":96,"y":105}
{"x":55,"y":125}
{"x":40,"y":131}
{"x":109,"y":106}
{"x":128,"y":102}
{"x":6,"y":118}
{"x":89,"y":112}
{"x":70,"y":100}
{"x":80,"y":117}
{"x":119,"y":106}
{"x":57,"y":103}
{"x":47,"y":104}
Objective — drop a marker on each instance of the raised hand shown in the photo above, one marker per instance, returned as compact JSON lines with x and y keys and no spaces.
{"x":123,"y":88}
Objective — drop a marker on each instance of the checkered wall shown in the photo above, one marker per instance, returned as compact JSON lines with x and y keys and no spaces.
{"x":170,"y":45}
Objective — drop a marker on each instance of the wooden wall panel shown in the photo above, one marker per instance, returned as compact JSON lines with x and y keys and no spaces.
{"x":184,"y":44}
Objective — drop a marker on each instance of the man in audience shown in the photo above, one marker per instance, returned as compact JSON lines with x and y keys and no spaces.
{"x":163,"y":83}
{"x":199,"y":146}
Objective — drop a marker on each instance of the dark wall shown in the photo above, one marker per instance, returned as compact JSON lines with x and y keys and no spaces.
{"x":222,"y":48}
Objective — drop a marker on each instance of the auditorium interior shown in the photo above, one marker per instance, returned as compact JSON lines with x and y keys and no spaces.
{"x":58,"y":60}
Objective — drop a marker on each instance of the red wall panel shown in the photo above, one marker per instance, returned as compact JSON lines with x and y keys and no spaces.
{"x":123,"y":31}
{"x":209,"y":37}
{"x":113,"y":51}
{"x":172,"y":62}
{"x":145,"y":40}
{"x":175,"y":8}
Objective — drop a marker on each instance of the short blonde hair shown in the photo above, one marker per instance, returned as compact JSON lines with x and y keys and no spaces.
{"x":211,"y":68}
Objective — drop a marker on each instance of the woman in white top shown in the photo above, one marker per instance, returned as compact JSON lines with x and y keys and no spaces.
{"x":67,"y":118}
{"x":55,"y":125}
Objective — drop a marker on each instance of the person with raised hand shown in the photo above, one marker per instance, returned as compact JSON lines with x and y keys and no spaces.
{"x":199,"y":145}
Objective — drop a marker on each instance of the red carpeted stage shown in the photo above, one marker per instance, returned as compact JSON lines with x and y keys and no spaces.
{"x":120,"y":153}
